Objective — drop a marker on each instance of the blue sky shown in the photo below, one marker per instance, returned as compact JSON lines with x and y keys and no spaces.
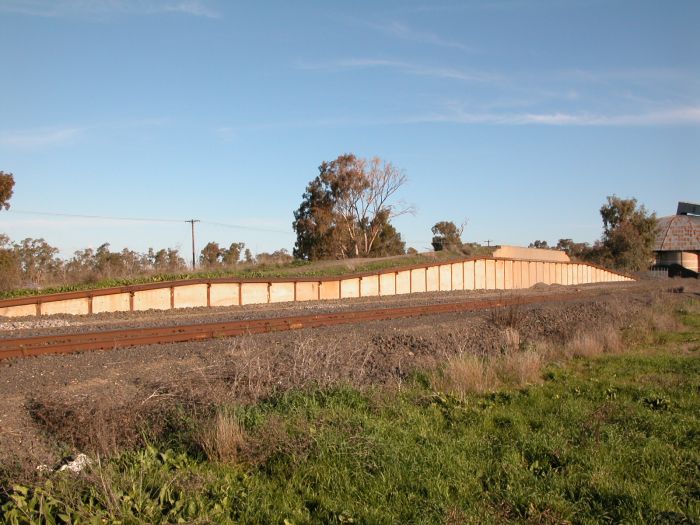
{"x":517,"y":116}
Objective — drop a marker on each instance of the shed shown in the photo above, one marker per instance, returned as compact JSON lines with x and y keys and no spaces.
{"x":678,"y":239}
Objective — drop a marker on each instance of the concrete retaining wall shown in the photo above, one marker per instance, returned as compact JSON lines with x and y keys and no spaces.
{"x":469,"y":274}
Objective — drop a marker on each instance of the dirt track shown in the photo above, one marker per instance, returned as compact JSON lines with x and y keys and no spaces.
{"x":58,"y":404}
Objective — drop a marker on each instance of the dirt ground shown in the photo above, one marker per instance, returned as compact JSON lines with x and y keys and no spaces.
{"x":52,"y":406}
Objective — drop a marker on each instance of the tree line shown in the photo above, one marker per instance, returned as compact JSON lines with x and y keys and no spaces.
{"x":345,"y":212}
{"x":627,"y":243}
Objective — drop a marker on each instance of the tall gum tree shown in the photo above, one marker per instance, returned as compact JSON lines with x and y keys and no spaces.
{"x":346,"y":208}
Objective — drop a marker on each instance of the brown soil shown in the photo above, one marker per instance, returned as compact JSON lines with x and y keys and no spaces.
{"x":100,"y":401}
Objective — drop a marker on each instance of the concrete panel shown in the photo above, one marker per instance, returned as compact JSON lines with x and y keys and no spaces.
{"x":190,"y":296}
{"x":330,"y":290}
{"x":281,"y":292}
{"x":532,"y":273}
{"x":557,"y":273}
{"x":254,"y":293}
{"x":517,"y":274}
{"x":18,"y":311}
{"x":480,"y":274}
{"x":432,"y":279}
{"x":550,"y":273}
{"x":508,"y":275}
{"x":70,"y":306}
{"x":446,"y":277}
{"x":350,"y":288}
{"x":418,"y":280}
{"x":457,"y":270}
{"x":369,"y":286}
{"x":387,"y":282}
{"x":500,"y":275}
{"x":403,"y":282}
{"x":158,"y":299}
{"x":532,"y":254}
{"x":569,"y":274}
{"x":118,"y":302}
{"x":223,"y":294}
{"x":540,"y":272}
{"x":307,"y":291}
{"x":469,"y":282}
{"x":490,"y":270}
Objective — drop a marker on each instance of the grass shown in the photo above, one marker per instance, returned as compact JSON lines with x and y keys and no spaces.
{"x":244,"y":271}
{"x":613,"y":438}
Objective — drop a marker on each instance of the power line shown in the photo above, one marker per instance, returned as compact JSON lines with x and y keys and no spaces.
{"x":102,"y":217}
{"x":146,"y":219}
{"x":241,"y":227}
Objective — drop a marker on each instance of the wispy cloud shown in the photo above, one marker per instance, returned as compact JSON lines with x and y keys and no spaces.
{"x":38,"y":138}
{"x":405,"y":32}
{"x":103,"y":8}
{"x":56,"y":136}
{"x":668,"y":117}
{"x":402,"y":67}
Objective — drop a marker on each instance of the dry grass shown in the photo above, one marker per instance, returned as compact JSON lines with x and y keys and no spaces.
{"x":511,"y":316}
{"x":606,"y":339}
{"x":465,"y":375}
{"x":223,"y":438}
{"x":584,"y":344}
{"x":511,"y":340}
{"x":521,"y":362}
{"x":519,"y":368}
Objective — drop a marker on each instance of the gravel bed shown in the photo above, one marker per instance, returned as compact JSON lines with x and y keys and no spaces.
{"x":64,"y":324}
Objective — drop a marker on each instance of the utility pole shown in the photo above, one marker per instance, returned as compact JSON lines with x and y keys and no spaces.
{"x":488,"y":242}
{"x":192,"y":221}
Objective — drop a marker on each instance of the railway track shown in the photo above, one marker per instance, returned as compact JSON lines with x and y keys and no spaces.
{"x":113,"y":339}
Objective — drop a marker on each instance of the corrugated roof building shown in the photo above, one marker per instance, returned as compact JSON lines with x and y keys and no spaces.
{"x":678,"y":238}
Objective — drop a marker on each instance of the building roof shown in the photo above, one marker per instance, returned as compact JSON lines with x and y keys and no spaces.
{"x":678,"y":233}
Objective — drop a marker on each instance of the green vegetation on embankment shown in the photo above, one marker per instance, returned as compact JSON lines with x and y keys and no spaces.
{"x":614,"y":438}
{"x":258,"y":271}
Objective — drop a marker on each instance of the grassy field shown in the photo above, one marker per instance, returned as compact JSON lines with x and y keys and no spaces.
{"x":608,"y":439}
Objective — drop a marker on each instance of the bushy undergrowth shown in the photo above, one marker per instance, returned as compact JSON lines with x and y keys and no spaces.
{"x":610,"y":439}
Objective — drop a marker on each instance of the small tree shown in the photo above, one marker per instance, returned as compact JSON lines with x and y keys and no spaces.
{"x":37,"y":260}
{"x":211,"y":255}
{"x":231,"y":256}
{"x":281,"y":256}
{"x":388,"y":242}
{"x":542,"y":245}
{"x":447,"y":236}
{"x":575,"y":250}
{"x":165,"y":260}
{"x":629,"y":232}
{"x":9,"y":265}
{"x":7,"y":183}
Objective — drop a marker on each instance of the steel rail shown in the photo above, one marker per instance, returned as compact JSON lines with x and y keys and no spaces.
{"x":113,"y":339}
